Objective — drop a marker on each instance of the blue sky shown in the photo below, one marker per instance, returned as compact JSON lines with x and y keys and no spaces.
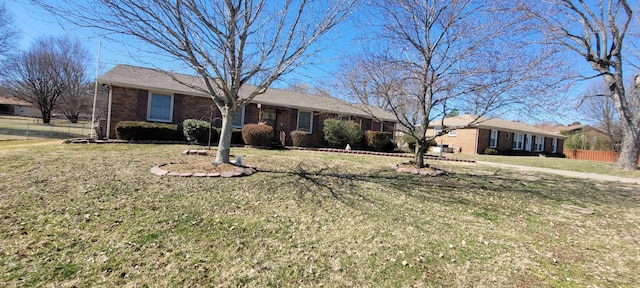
{"x":34,"y":22}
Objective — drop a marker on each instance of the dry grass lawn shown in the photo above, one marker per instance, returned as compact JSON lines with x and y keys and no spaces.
{"x":93,"y":215}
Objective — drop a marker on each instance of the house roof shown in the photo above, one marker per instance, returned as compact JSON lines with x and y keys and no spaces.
{"x":8,"y":100}
{"x":153,"y":79}
{"x":571,"y":128}
{"x":468,"y":120}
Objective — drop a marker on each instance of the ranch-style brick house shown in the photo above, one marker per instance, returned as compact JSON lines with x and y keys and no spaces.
{"x":144,"y":94}
{"x":470,"y":134}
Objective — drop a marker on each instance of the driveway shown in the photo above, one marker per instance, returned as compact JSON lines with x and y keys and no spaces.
{"x":583,"y":175}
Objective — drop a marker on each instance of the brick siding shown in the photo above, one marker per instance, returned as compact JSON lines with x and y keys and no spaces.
{"x":130,"y":104}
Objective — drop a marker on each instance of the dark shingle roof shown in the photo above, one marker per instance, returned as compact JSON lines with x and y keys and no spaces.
{"x":8,"y":100}
{"x":152,"y":79}
{"x":493,"y":123}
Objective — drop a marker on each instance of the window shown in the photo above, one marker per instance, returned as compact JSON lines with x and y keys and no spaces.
{"x":238,"y":118}
{"x":554,"y":145}
{"x":493,"y":139}
{"x":437,"y":130}
{"x":305,"y":121}
{"x":160,"y":107}
{"x":539,"y":143}
{"x":345,"y":118}
{"x":453,"y":132}
{"x":518,"y":141}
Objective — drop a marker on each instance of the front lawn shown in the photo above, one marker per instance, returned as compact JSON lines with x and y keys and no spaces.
{"x":93,"y":215}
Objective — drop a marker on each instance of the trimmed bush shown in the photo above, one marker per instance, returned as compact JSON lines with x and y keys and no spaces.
{"x":299,"y":138}
{"x":411,"y":142}
{"x":197,"y":132}
{"x":236,"y":136}
{"x":257,"y":134}
{"x":379,"y":141}
{"x":138,"y":130}
{"x":339,"y":133}
{"x":491,"y":151}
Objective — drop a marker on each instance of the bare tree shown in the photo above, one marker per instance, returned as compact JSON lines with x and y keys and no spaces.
{"x":435,"y":56}
{"x":596,"y":31}
{"x":76,"y":100}
{"x":8,"y":33}
{"x":597,"y":105}
{"x":43,"y":74}
{"x":228,"y":43}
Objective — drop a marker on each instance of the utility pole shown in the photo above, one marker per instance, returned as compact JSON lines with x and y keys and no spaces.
{"x":95,"y":93}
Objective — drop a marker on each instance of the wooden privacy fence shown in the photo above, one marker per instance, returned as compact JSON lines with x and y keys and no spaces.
{"x":594,"y":155}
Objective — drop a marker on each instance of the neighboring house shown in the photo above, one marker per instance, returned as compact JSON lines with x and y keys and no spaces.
{"x":143,"y":94}
{"x":507,"y":137}
{"x":18,"y":107}
{"x":596,"y":139}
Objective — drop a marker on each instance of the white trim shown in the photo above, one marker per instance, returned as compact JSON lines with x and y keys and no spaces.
{"x":310,"y":121}
{"x":108,"y":112}
{"x":493,"y":139}
{"x":539,"y":145}
{"x":518,"y":138}
{"x":149,"y":100}
{"x":554,"y":145}
{"x":437,"y":130}
{"x":527,"y":143}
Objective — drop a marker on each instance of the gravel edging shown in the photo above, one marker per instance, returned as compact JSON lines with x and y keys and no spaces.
{"x":237,"y":172}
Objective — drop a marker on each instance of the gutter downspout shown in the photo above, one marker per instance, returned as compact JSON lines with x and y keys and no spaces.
{"x":477,"y":137}
{"x":109,"y":111}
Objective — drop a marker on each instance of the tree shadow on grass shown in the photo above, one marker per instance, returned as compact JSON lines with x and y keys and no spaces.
{"x":351,"y":186}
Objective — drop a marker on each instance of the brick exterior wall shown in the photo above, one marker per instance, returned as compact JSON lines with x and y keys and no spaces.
{"x":130,"y":104}
{"x":466,"y":140}
{"x":125,"y":107}
{"x":193,"y":107}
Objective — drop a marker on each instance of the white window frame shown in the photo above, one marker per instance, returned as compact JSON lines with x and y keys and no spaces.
{"x":554,"y":145}
{"x":453,"y":133}
{"x":241,"y":111}
{"x":310,"y":121}
{"x":437,"y":130}
{"x":493,"y":139}
{"x":149,"y":104}
{"x":539,"y":145}
{"x":518,"y":141}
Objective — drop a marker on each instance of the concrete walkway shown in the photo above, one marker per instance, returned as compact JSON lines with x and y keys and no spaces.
{"x":583,"y":175}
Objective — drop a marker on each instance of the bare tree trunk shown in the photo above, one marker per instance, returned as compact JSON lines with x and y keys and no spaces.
{"x":420,"y":150}
{"x":46,"y":117}
{"x":630,"y":148}
{"x":224,"y":144}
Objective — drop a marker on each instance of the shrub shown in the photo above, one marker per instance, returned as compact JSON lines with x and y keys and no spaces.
{"x":236,"y":136}
{"x":491,"y":151}
{"x":410,"y":141}
{"x":379,"y":141}
{"x":138,"y":130}
{"x":257,"y":134}
{"x":299,"y":138}
{"x":197,"y":131}
{"x":339,"y":133}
